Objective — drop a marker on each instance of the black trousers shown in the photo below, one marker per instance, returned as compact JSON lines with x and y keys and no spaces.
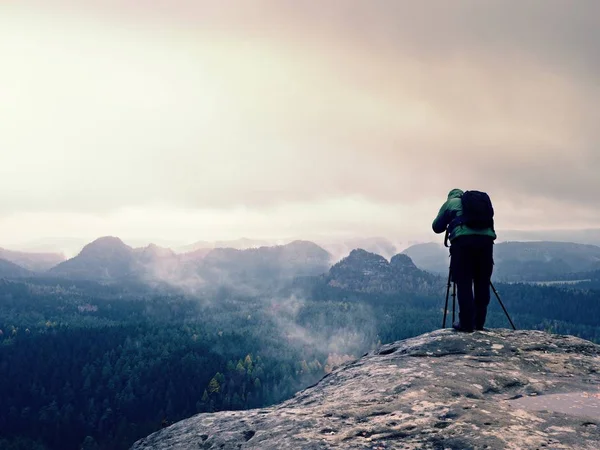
{"x":471,"y":266}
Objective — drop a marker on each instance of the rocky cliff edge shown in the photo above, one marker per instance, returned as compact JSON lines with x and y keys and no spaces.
{"x":442,"y":390}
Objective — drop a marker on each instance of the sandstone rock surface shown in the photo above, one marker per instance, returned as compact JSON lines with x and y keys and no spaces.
{"x":441,"y":390}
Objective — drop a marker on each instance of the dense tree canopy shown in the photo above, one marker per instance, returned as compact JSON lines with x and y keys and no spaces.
{"x":85,"y":365}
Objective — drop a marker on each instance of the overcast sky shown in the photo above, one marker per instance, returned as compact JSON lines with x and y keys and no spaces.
{"x":184,"y":120}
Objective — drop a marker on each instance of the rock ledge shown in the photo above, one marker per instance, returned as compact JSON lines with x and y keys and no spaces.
{"x":441,"y":390}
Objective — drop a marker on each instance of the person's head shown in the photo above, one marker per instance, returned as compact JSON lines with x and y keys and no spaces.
{"x":455,"y":193}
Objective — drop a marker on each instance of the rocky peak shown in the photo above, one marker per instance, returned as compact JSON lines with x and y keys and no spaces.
{"x":362,"y":261}
{"x":359,"y":254}
{"x":495,"y":390}
{"x":363,"y":271}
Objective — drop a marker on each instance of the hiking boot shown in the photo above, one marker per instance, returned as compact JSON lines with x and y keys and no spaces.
{"x":458,"y":327}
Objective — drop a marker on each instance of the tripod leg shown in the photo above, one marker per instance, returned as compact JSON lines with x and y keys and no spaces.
{"x":453,"y":302}
{"x":503,"y":308}
{"x":447,"y":295}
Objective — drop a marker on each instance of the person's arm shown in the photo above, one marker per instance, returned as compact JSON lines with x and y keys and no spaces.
{"x":442,"y":220}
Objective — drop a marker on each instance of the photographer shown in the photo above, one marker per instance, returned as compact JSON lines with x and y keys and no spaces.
{"x":467,"y":218}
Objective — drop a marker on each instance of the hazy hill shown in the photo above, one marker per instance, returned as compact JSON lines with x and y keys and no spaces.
{"x":37,"y":262}
{"x":154,"y":252}
{"x":109,"y":259}
{"x":430,"y":256}
{"x":582,"y":236}
{"x":519,"y":261}
{"x":12,"y":270}
{"x":238,"y":244}
{"x":195,"y":255}
{"x":298,"y":258}
{"x":524,"y":261}
{"x":106,"y":258}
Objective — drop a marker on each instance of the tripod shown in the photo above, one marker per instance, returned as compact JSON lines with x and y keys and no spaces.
{"x":450,"y":281}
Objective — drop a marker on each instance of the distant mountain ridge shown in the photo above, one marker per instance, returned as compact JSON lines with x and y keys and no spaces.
{"x":11,"y":270}
{"x":237,"y":244}
{"x":519,"y":261}
{"x":36,"y":262}
{"x":430,"y":256}
{"x":259,"y":266}
{"x":541,"y":261}
{"x":110,"y":259}
{"x":578,"y":236}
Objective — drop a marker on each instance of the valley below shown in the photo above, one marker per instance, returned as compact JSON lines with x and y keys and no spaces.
{"x":116,"y":343}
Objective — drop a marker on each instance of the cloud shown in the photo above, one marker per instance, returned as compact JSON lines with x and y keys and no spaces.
{"x":188,"y":105}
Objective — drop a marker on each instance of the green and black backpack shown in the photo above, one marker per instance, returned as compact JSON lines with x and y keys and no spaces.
{"x":477,"y":211}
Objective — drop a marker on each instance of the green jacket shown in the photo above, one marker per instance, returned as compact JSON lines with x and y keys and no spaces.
{"x":453,"y":208}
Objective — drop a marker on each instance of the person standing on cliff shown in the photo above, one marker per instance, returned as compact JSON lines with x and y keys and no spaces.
{"x":468,"y":219}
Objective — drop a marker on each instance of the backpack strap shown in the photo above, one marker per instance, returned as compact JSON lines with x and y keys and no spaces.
{"x":458,"y":220}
